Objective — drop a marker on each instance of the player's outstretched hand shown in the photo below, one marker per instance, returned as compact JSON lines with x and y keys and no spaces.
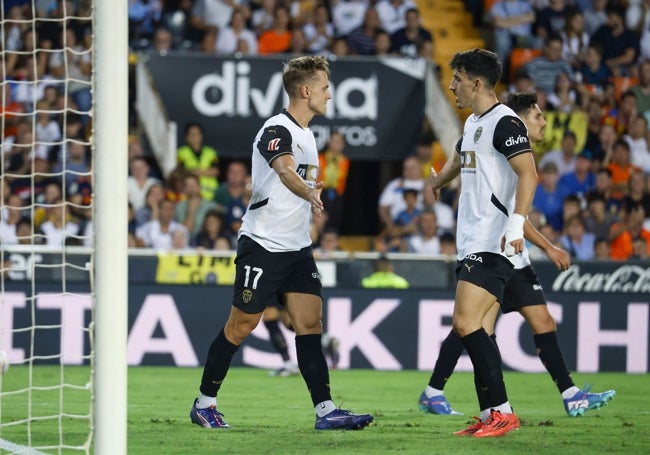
{"x":314,"y":199}
{"x":559,"y":257}
{"x":431,"y":181}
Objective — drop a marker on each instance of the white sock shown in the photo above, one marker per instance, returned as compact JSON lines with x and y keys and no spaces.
{"x":205,"y":401}
{"x":324,"y":408}
{"x":504,"y":408}
{"x":431,"y":392}
{"x":484,"y":415}
{"x":570,"y":392}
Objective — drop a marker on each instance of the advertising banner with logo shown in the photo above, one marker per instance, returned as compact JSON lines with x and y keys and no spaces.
{"x":387,"y":330}
{"x":378,"y":104}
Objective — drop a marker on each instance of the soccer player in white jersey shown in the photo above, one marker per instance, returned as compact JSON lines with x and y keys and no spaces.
{"x":274,"y":254}
{"x":523,"y":293}
{"x":498,"y":180}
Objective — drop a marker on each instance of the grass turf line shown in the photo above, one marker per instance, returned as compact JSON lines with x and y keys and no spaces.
{"x":273,"y":415}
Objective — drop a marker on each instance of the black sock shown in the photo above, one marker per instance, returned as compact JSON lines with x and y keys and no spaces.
{"x":548,"y":350}
{"x":313,"y":367}
{"x":483,"y":399}
{"x":277,"y":338}
{"x":450,"y":350}
{"x":217,"y":364}
{"x":487,"y":366}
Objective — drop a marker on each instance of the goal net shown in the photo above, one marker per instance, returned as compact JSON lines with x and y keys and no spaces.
{"x":48,"y":199}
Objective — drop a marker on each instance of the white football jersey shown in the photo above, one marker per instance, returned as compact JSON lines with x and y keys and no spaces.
{"x":276,"y":218}
{"x":488,"y":183}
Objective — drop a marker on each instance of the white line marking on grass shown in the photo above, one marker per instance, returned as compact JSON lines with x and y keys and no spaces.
{"x":17,"y":448}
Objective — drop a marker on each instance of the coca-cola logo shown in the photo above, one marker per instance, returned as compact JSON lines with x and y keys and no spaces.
{"x":627,"y":278}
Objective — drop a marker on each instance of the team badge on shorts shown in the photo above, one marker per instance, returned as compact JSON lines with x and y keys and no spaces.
{"x":247,"y":295}
{"x":477,"y":133}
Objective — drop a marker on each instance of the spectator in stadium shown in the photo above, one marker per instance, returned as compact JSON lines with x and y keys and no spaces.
{"x":73,"y":67}
{"x":637,"y":195}
{"x":328,"y":243}
{"x":199,"y":158}
{"x":74,"y":168}
{"x":227,"y":42}
{"x":563,"y":98}
{"x":144,"y":17}
{"x":213,"y":14}
{"x":347,"y":15}
{"x":637,"y":139}
{"x":574,"y":39}
{"x":31,"y":88}
{"x":551,"y":19}
{"x":48,"y":130}
{"x":339,"y":47}
{"x":642,"y":89}
{"x":596,"y":16}
{"x":595,"y":75}
{"x":598,"y":220}
{"x":59,"y":227}
{"x":43,"y":202}
{"x":158,"y":233}
{"x":19,"y":151}
{"x":392,"y":13}
{"x":277,"y":39}
{"x":425,"y":240}
{"x":211,"y":231}
{"x":602,"y":250}
{"x":592,"y":143}
{"x":511,"y":21}
{"x":391,"y":200}
{"x":564,"y":158}
{"x":262,"y":17}
{"x":549,"y":197}
{"x":622,"y":234}
{"x":622,"y":114}
{"x":180,"y":240}
{"x":12,"y":212}
{"x":581,"y":181}
{"x":163,"y":40}
{"x":545,"y":68}
{"x":177,"y":18}
{"x":384,"y":276}
{"x":604,"y":189}
{"x":604,"y":147}
{"x":319,"y":33}
{"x":235,"y":211}
{"x":10,"y":111}
{"x":274,"y":239}
{"x":234,"y":185}
{"x":576,"y":240}
{"x":191,"y":209}
{"x":382,"y":44}
{"x":405,"y":40}
{"x":640,"y":250}
{"x":149,"y":211}
{"x":139,"y":182}
{"x":448,"y":244}
{"x":620,"y":45}
{"x":361,"y":40}
{"x":333,"y":170}
{"x":31,"y":46}
{"x":620,"y":167}
{"x":298,"y":44}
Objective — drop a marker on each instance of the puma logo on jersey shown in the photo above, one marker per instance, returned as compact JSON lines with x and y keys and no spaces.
{"x":274,"y":145}
{"x":468,"y":267}
{"x":515,"y":141}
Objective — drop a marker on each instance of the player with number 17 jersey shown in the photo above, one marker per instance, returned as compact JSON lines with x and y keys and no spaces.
{"x":276,"y":218}
{"x":488,"y":181}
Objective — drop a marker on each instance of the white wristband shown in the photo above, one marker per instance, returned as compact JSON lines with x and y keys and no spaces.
{"x":514,"y":231}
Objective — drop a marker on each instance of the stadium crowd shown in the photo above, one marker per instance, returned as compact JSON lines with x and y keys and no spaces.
{"x":588,"y":61}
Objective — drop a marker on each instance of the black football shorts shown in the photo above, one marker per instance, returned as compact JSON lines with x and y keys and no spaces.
{"x":489,"y":271}
{"x":262,"y":277}
{"x":522,"y":289}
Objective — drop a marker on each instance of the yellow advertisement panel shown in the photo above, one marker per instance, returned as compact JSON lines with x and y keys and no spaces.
{"x":195,"y":269}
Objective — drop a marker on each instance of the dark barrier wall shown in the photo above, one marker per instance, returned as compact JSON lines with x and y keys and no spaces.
{"x":377,"y":104}
{"x":603,"y":327}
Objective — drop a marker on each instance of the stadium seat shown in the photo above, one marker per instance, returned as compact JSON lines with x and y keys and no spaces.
{"x":519,"y":57}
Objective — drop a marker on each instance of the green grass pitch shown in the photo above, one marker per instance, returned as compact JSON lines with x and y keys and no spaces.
{"x":272,"y":415}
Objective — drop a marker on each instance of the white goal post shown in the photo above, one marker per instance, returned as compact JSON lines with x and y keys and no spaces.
{"x":111,"y":266}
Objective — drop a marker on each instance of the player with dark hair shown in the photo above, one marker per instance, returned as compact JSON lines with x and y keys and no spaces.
{"x":274,"y":252}
{"x":498,"y":180}
{"x":523,"y":293}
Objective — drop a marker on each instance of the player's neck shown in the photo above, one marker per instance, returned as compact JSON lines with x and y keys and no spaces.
{"x":302,"y":115}
{"x":483,"y":103}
